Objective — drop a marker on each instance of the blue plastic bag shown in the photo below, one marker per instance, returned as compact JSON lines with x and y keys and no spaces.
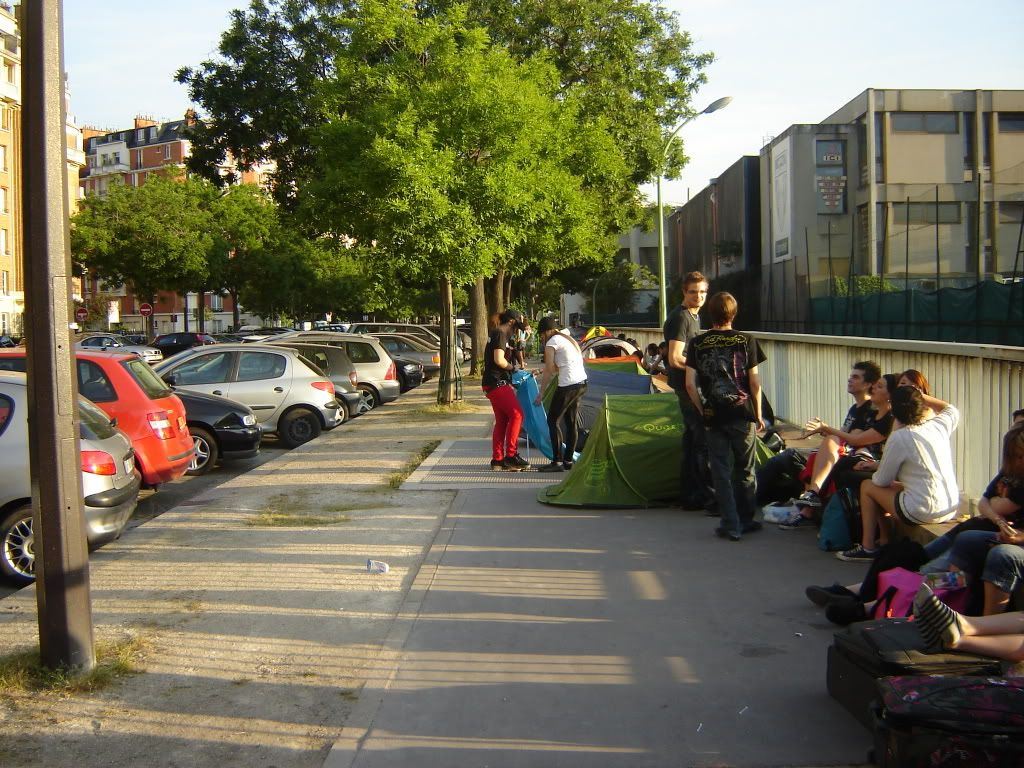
{"x":535,"y":420}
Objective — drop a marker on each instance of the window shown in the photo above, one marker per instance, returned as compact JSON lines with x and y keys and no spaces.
{"x":256,"y":366}
{"x":5,"y":282}
{"x":3,"y":241}
{"x":9,"y":71}
{"x":1011,"y":122}
{"x":359,"y":352}
{"x":5,"y":118}
{"x":3,"y":199}
{"x":926,"y":213}
{"x":138,"y":158}
{"x":140,"y":135}
{"x":213,"y":368}
{"x":216,"y":302}
{"x":93,"y":383}
{"x":167,"y":151}
{"x":151,"y":384}
{"x":924,"y":122}
{"x":3,"y":157}
{"x":968,"y":141}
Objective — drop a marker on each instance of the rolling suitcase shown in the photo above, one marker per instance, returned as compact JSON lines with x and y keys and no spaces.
{"x":868,"y":650}
{"x":949,"y":722}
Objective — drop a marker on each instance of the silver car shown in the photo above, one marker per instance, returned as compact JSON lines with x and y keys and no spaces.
{"x":376,"y":371}
{"x":289,"y":396}
{"x":412,"y":348}
{"x":110,"y":481}
{"x":336,"y":366}
{"x":110,"y":342}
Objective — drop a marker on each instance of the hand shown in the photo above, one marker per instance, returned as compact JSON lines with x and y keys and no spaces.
{"x":868,"y":465}
{"x":538,"y":399}
{"x":760,"y":424}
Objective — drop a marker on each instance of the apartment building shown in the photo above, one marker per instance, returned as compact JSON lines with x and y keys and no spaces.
{"x":917,"y":190}
{"x":11,"y":293}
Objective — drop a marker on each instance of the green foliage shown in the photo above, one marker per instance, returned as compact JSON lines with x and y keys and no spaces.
{"x":615,"y":288}
{"x":862,"y":285}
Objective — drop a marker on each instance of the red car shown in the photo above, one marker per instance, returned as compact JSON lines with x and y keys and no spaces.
{"x":152,"y":416}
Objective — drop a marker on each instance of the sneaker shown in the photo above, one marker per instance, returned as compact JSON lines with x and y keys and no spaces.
{"x":796,"y":520}
{"x":497,"y":465}
{"x":825,"y":596}
{"x":846,"y":612}
{"x":516,"y":463}
{"x":809,"y":499}
{"x":568,"y":465}
{"x":724,"y":534}
{"x":554,"y":466}
{"x":858,"y":555}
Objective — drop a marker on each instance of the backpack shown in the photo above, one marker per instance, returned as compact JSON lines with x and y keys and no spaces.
{"x":840,"y":522}
{"x":896,"y":590}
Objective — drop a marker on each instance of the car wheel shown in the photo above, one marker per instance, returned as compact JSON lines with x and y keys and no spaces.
{"x":207,"y":453}
{"x":18,"y":546}
{"x":372,"y":398}
{"x":298,"y":427}
{"x":343,"y":414}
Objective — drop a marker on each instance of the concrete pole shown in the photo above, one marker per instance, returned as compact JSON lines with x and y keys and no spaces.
{"x":62,"y":558}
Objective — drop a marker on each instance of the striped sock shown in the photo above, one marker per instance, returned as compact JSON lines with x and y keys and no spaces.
{"x":938,"y":623}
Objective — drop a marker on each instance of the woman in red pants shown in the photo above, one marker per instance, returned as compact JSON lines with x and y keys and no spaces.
{"x":497,"y":384}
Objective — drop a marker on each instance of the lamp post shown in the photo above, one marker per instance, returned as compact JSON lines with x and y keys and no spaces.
{"x":712,"y":107}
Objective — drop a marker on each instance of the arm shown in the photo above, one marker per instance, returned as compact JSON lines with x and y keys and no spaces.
{"x":934,"y":403}
{"x":857,"y":439}
{"x":691,"y":389}
{"x":889,"y":466}
{"x":501,"y":361}
{"x":755,"y":393}
{"x":550,"y":370}
{"x":677,"y":354}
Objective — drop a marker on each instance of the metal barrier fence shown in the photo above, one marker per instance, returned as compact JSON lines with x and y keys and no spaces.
{"x":805,"y":376}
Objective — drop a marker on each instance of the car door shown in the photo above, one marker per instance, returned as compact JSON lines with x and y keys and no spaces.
{"x":208,"y":372}
{"x":263,"y":382}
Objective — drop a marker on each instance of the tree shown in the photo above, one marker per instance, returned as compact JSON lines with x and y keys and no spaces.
{"x":150,"y":238}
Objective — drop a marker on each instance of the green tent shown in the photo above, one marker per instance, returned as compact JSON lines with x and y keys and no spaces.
{"x":631,"y":458}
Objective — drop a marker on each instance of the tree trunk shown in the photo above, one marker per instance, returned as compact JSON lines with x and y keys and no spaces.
{"x":507,"y":294}
{"x":478,"y":317}
{"x":184,"y":315}
{"x":496,"y":295}
{"x":236,"y":313}
{"x":449,"y":385}
{"x":201,"y":311}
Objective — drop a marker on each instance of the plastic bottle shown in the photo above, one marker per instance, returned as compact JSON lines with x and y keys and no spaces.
{"x":377,"y":566}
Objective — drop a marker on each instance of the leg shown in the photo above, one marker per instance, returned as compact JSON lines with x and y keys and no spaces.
{"x":500,"y":425}
{"x":824,"y":460}
{"x":1004,"y":571}
{"x":744,"y":483}
{"x":875,"y":502}
{"x":555,"y":412}
{"x":503,"y":400}
{"x":693,"y":477}
{"x":572,"y":429}
{"x":720,"y":454}
{"x":1000,"y":636}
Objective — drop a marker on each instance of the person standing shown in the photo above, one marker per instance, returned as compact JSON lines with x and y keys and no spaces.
{"x":681,"y":326}
{"x":723,"y":384}
{"x":562,"y":358}
{"x":499,"y":365}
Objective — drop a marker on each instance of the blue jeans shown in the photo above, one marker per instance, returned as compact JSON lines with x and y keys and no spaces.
{"x":731,"y":454}
{"x":980,"y":555}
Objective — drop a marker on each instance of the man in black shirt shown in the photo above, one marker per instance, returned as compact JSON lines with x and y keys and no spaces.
{"x":723,"y":384}
{"x":681,"y":326}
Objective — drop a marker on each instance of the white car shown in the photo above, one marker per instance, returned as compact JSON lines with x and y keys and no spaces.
{"x":288,"y":395}
{"x":112,"y":343}
{"x":110,"y":481}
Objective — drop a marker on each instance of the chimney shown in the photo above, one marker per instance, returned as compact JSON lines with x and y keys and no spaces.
{"x":144,"y":122}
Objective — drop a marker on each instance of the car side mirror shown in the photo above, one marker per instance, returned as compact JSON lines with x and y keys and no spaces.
{"x":113,"y":422}
{"x":170,"y":379}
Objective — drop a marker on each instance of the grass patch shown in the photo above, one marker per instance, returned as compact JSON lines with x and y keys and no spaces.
{"x":451,"y":409}
{"x":22,"y":672}
{"x":396,"y":479}
{"x":277,"y":519}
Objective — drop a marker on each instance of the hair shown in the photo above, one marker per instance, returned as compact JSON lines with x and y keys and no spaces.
{"x":892,"y":381}
{"x":722,"y":308}
{"x":918,"y":379}
{"x":691,"y":278}
{"x":872,"y":371}
{"x":546,"y":324}
{"x":510,"y":315}
{"x":652,"y":348}
{"x":1013,"y":447}
{"x":908,"y":405}
{"x":1018,"y":414}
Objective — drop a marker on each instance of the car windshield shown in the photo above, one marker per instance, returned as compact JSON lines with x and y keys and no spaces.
{"x":93,"y":424}
{"x":151,"y":384}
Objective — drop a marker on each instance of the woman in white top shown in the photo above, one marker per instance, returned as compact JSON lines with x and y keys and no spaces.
{"x":562,"y":357}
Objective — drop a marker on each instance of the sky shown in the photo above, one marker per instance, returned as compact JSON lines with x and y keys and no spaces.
{"x":783,"y":63}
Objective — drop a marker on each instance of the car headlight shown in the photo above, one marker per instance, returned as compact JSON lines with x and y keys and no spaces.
{"x":409,"y":368}
{"x":249,"y":420}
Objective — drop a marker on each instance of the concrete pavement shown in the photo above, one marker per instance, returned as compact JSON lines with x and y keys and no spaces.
{"x":507,"y":633}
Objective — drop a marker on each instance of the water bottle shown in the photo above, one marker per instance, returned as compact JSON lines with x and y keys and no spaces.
{"x":946,"y":580}
{"x":377,"y":566}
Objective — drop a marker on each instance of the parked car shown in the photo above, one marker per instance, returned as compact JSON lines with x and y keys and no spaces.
{"x":150,"y":414}
{"x":336,"y":366}
{"x":252,"y":334}
{"x":135,"y":338}
{"x":228,"y":338}
{"x":377,"y":372}
{"x":173,"y":343}
{"x":105,"y":341}
{"x":410,"y":373}
{"x":289,"y":396}
{"x":410,"y":329}
{"x":110,"y":481}
{"x":462,"y":340}
{"x":411,"y":348}
{"x":222,"y":430}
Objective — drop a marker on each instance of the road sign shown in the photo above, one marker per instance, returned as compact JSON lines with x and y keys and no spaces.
{"x":145,"y":309}
{"x":81,"y":314}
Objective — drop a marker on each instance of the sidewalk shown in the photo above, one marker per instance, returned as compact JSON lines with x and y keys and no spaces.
{"x":507,"y":633}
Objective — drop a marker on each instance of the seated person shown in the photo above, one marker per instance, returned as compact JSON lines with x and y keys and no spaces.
{"x":1000,"y":636}
{"x":865,"y":430}
{"x":651,"y":359}
{"x":915,"y":479}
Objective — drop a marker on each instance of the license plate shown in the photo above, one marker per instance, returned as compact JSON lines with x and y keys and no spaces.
{"x":181,"y":423}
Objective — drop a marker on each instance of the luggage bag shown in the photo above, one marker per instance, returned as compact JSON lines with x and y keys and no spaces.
{"x":949,"y":722}
{"x":864,"y":652}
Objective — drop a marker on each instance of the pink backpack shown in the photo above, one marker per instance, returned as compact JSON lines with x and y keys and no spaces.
{"x":896,"y":590}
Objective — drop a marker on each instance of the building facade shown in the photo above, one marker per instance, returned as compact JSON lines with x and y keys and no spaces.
{"x":903,"y":192}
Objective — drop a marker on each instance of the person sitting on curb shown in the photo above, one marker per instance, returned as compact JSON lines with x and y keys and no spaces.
{"x":1000,"y":636}
{"x":858,"y":418}
{"x":562,"y":359}
{"x":915,"y":480}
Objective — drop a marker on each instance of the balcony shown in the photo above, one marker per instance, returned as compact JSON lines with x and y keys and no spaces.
{"x":106,"y":169}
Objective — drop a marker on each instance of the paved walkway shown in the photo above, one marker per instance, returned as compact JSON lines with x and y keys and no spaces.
{"x":507,"y":633}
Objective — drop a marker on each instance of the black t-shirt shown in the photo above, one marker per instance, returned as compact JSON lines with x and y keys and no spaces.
{"x":492,"y":373}
{"x":681,"y":325}
{"x":723,"y":360}
{"x":859,"y":417}
{"x":883,"y":426}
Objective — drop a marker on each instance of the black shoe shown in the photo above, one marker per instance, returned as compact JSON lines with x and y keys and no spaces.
{"x":846,"y":612}
{"x":516,"y":463}
{"x":825,"y":596}
{"x":568,"y":465}
{"x":724,"y":534}
{"x":554,"y":466}
{"x":497,"y":465}
{"x":752,"y":527}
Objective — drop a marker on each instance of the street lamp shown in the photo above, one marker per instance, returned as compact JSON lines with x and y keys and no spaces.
{"x":712,"y":107}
